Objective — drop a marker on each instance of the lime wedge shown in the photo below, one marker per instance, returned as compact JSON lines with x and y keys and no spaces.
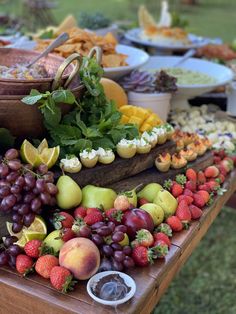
{"x":22,"y":241}
{"x":28,"y":152}
{"x":42,"y":145}
{"x":33,"y":235}
{"x":48,"y":156}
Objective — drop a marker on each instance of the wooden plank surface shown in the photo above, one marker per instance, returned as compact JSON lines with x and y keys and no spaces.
{"x":35,"y":294}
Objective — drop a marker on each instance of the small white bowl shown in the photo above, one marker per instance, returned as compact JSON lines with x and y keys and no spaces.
{"x":128,"y":280}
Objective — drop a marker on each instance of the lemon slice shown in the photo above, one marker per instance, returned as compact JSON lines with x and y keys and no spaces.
{"x":9,"y":229}
{"x":42,"y":145}
{"x":22,"y":241}
{"x":37,"y":225}
{"x":29,"y":153}
{"x":48,"y":156}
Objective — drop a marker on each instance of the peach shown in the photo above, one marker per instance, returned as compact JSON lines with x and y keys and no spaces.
{"x":81,"y":257}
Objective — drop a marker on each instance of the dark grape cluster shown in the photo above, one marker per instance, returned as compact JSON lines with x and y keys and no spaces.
{"x":106,"y":235}
{"x":24,"y":192}
{"x":9,"y":252}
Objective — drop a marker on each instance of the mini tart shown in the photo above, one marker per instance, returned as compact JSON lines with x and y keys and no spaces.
{"x":89,"y":163}
{"x":161,"y":138}
{"x":126,"y":151}
{"x":107,"y":159}
{"x":179,"y":145}
{"x":150,"y":138}
{"x":71,"y":168}
{"x":188,"y":154}
{"x":169,"y":131}
{"x":188,"y":138}
{"x":206,"y":142}
{"x":200,"y":148}
{"x":177,"y":161}
{"x":163,"y":162}
{"x":144,"y":149}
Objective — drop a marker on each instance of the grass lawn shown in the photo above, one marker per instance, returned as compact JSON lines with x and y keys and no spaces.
{"x":207,"y":282}
{"x":214,"y":18}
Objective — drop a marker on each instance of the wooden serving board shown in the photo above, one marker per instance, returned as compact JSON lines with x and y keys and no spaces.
{"x":103,"y":175}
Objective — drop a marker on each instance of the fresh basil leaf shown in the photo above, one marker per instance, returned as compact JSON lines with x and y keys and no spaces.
{"x":52,"y":115}
{"x":93,"y":132}
{"x":63,"y":96}
{"x":81,"y":145}
{"x":82,"y":127}
{"x":104,"y":142}
{"x":31,"y":100}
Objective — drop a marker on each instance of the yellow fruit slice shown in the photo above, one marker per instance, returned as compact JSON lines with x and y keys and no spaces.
{"x":145,"y":127}
{"x":124,"y":119}
{"x":28,"y":152}
{"x":135,"y":120}
{"x":33,"y":235}
{"x":48,"y":156}
{"x":38,"y":225}
{"x":125,"y":241}
{"x":114,"y":91}
{"x":22,"y":241}
{"x":142,"y":113}
{"x":42,"y":145}
{"x":128,"y":110}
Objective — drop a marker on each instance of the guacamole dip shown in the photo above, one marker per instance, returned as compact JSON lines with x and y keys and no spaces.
{"x":188,"y":77}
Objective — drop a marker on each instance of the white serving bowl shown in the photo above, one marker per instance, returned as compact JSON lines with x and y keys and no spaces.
{"x":220,"y":73}
{"x":136,"y":58}
{"x":128,"y":280}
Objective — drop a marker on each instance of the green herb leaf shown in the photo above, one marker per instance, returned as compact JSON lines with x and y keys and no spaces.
{"x":31,"y":100}
{"x":63,"y":96}
{"x":104,"y":142}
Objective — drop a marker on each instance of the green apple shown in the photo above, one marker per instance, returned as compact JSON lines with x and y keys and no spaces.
{"x":155,"y":211}
{"x":149,"y":192}
{"x":69,"y":193}
{"x":54,"y":241}
{"x":167,"y":202}
{"x":94,"y":196}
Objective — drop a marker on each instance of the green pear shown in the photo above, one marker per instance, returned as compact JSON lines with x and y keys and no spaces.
{"x":155,"y":211}
{"x":149,"y":192}
{"x":167,"y":202}
{"x":54,"y":241}
{"x":94,"y":196}
{"x":69,"y":193}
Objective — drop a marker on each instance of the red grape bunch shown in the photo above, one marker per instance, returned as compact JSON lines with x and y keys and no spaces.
{"x":24,"y":192}
{"x":106,"y":235}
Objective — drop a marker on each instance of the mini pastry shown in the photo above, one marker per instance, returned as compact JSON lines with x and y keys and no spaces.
{"x":179,"y":145}
{"x":177,"y":161}
{"x":188,"y":154}
{"x":188,"y":138}
{"x":163,"y":161}
{"x":161,"y":134}
{"x":169,"y":130}
{"x":150,"y":137}
{"x":206,"y":142}
{"x":126,"y":148}
{"x":89,"y":158}
{"x":105,"y":156}
{"x":70,"y":164}
{"x":200,"y":148}
{"x":143,"y":147}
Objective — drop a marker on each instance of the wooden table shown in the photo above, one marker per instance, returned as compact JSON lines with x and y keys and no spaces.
{"x":35,"y":295}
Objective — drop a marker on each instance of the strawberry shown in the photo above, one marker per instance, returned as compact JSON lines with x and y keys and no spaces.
{"x":227,"y":164}
{"x":61,"y":279}
{"x":164,"y":228}
{"x":183,"y":212}
{"x":32,"y":248}
{"x":205,"y":195}
{"x":80,"y":212}
{"x":213,"y":185}
{"x":216,"y":159}
{"x":176,"y":189}
{"x":134,"y":244}
{"x":160,"y":249}
{"x":92,"y":210}
{"x":191,"y":175}
{"x":196,"y":212}
{"x":142,"y":201}
{"x":211,"y":172}
{"x":67,"y":234}
{"x":199,"y":200}
{"x":175,"y":223}
{"x":114,"y":215}
{"x":93,"y":215}
{"x":223,"y":170}
{"x":45,"y":264}
{"x":142,"y":256}
{"x":221,"y":178}
{"x":186,"y":198}
{"x":62,"y":220}
{"x":188,"y":192}
{"x":144,"y":238}
{"x":163,"y":237}
{"x":168,"y":184}
{"x":201,"y":179}
{"x":221,"y":153}
{"x":24,"y":264}
{"x":204,"y":187}
{"x":191,"y":185}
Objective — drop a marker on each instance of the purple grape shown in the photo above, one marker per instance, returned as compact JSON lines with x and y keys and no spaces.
{"x":127,"y":250}
{"x":36,"y":204}
{"x":97,"y":239}
{"x":4,"y":170}
{"x":4,"y":183}
{"x":10,"y":200}
{"x":18,"y":197}
{"x":41,"y":185}
{"x":45,"y":198}
{"x":104,"y":231}
{"x":107,"y":250}
{"x":128,"y":262}
{"x":97,"y":225}
{"x":14,"y":250}
{"x":84,"y":231}
{"x":121,"y":228}
{"x":24,"y":209}
{"x":28,"y":166}
{"x":17,"y":227}
{"x":11,"y":154}
{"x":28,"y":219}
{"x":16,"y":217}
{"x":9,"y":240}
{"x":3,"y":259}
{"x":16,"y":207}
{"x":28,"y":197}
{"x":4,"y":207}
{"x":49,"y":177}
{"x":4,"y":191}
{"x":53,"y":201}
{"x":12,"y":176}
{"x":42,"y":169}
{"x":111,"y":225}
{"x":118,"y":236}
{"x":119,"y":256}
{"x":105,"y":265}
{"x":116,"y":246}
{"x":30,"y":181}
{"x":20,"y":181}
{"x":14,"y":165}
{"x":12,"y":261}
{"x":51,"y":188}
{"x":36,"y":191}
{"x":15,"y":189}
{"x":117,"y":265}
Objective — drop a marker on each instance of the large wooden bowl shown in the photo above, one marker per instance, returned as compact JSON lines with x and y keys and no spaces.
{"x":11,"y":56}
